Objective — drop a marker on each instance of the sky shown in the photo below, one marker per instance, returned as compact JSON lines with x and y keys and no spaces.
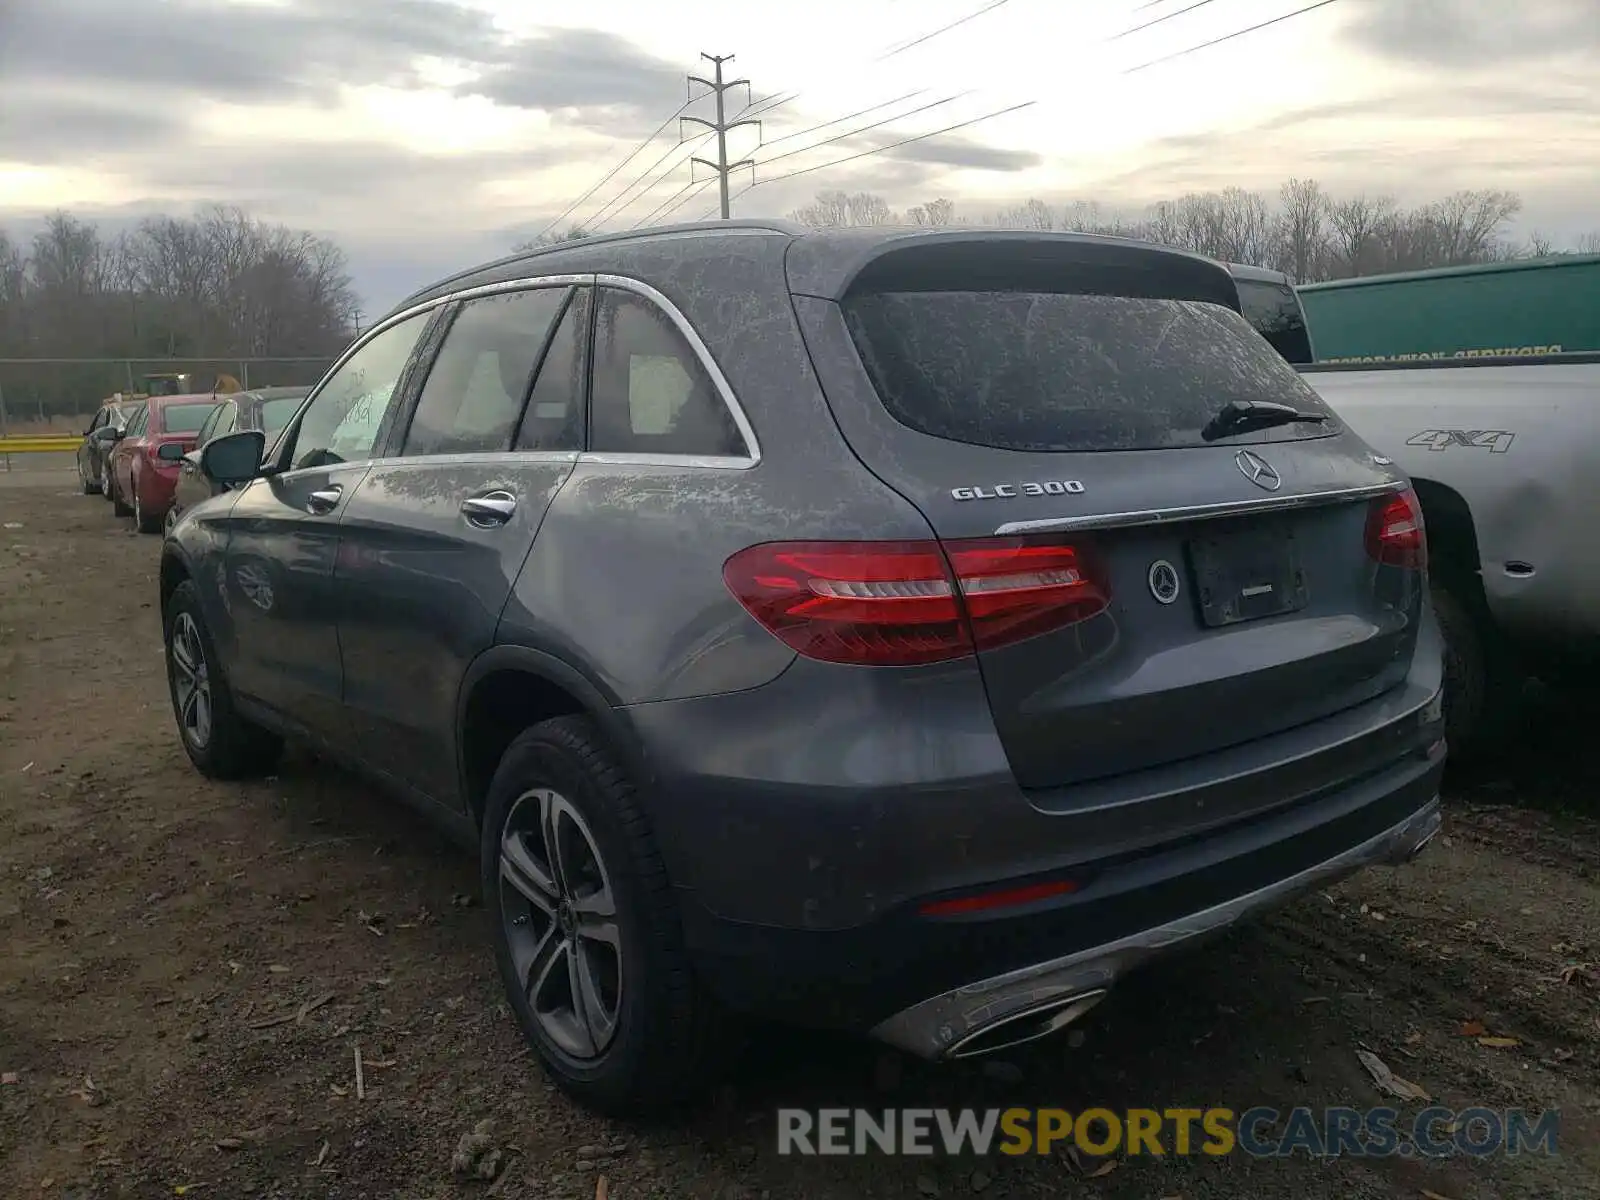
{"x":427,"y":135}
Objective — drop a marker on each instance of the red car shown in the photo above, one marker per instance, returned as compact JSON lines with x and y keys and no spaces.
{"x":146,"y":459}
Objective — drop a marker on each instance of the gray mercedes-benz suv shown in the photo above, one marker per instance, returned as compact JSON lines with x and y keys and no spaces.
{"x":897,"y":631}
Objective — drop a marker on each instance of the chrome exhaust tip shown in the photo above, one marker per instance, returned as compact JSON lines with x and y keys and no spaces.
{"x":1029,"y":1025}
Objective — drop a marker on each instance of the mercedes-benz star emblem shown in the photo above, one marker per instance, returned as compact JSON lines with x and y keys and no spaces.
{"x":1257,"y":470}
{"x":1163,"y":579}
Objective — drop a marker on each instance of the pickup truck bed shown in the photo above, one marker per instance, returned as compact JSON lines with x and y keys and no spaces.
{"x":1505,"y":455}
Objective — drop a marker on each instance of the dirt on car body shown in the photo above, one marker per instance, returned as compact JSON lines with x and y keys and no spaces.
{"x":192,"y":970}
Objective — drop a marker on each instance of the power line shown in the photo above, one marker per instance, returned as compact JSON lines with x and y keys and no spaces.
{"x":865,"y":128}
{"x":892,"y":146}
{"x":609,"y":175}
{"x":673,"y":202}
{"x":598,"y":218}
{"x":860,"y":112}
{"x":1158,"y":20}
{"x":1229,"y":37}
{"x":928,"y":37}
{"x":788,"y":136}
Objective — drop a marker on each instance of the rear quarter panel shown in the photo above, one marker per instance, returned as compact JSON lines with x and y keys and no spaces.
{"x":625,"y":577}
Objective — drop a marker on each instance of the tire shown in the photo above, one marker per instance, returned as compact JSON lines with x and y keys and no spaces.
{"x":90,"y":486}
{"x":118,"y":508}
{"x":229,"y":747}
{"x":105,"y":480}
{"x":1479,"y":685}
{"x":142,"y":520}
{"x":658,"y":1051}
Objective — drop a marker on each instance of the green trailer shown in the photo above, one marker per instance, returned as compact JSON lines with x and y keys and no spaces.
{"x":1525,"y":308}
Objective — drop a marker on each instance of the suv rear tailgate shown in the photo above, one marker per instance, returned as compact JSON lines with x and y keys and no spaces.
{"x":1055,"y":392}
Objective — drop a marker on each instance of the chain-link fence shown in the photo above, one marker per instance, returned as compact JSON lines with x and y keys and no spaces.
{"x":47,"y":395}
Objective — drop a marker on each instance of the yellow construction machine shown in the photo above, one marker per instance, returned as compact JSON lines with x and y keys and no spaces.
{"x":178,"y":383}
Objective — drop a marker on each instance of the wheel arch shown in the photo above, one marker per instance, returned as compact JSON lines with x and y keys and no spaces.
{"x":1452,"y":534}
{"x":174,"y":570}
{"x":509,"y":688}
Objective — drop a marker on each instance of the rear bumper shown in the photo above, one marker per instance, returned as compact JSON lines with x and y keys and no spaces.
{"x":938,"y":1026}
{"x":807,"y":823}
{"x":156,"y":487}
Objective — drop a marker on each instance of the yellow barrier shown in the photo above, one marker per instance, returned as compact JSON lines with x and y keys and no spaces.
{"x":39,"y":444}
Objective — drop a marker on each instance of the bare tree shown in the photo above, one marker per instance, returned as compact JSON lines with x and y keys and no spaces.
{"x":1302,"y":245}
{"x":935,"y":213}
{"x":574,"y":233}
{"x":220,"y":284}
{"x":845,"y":208}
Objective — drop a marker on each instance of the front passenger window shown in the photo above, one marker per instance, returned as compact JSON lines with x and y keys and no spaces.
{"x":343,"y":422}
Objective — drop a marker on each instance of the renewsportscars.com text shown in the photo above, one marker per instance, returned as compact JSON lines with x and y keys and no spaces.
{"x":1261,"y":1132}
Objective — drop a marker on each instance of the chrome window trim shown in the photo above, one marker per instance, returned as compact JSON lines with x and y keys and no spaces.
{"x":707,"y":362}
{"x":1201,"y":512}
{"x":697,"y":346}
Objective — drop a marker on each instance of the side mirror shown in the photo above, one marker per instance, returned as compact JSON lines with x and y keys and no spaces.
{"x":234,"y":458}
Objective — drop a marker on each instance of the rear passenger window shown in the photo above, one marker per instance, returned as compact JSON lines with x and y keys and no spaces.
{"x":650,"y":393}
{"x":475,"y":390}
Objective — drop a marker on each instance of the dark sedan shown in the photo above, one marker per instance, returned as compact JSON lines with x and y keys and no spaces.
{"x":94,"y":454}
{"x":265,"y":409}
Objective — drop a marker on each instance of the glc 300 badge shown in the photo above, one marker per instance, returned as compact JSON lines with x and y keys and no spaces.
{"x":1009,"y":491}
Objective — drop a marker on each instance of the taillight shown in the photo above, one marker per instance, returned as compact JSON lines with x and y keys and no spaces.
{"x":902,"y":603}
{"x":1396,"y":536}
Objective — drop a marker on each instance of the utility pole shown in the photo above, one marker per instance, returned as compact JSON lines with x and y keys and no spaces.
{"x":721,"y":125}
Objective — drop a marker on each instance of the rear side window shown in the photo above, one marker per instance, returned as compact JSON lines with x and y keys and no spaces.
{"x":185,"y":418}
{"x":475,"y":390}
{"x":1068,"y":372}
{"x":209,"y":429}
{"x":650,"y":393}
{"x":136,"y":422}
{"x":1274,"y":311}
{"x":275,"y":414}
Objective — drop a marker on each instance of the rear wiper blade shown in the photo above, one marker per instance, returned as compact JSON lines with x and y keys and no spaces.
{"x":1240,"y":416}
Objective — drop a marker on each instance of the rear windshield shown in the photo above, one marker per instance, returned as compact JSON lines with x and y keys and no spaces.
{"x":275,"y":414}
{"x":185,"y":418}
{"x":1275,"y":312}
{"x":1045,"y":371}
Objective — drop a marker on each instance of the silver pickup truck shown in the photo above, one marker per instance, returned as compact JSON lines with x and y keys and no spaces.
{"x":1505,"y":456}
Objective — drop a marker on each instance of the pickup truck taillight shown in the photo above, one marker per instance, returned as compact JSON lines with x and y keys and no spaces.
{"x":1396,"y":536}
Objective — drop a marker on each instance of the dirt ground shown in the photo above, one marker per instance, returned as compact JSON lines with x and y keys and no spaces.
{"x":190,"y":968}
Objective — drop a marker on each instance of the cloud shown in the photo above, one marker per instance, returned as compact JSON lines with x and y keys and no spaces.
{"x":595,"y":78}
{"x":966,"y":154}
{"x":1475,"y":35}
{"x":47,"y":126}
{"x":304,"y":49}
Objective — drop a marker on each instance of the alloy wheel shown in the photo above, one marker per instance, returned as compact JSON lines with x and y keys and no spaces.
{"x":105,"y":478}
{"x":560,"y":917}
{"x":191,"y":681}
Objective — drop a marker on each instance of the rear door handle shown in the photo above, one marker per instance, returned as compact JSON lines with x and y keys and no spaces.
{"x":324,"y":500}
{"x":489,"y":509}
